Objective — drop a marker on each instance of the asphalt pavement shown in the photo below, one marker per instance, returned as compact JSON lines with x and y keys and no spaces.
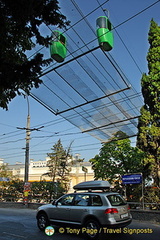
{"x":20,"y":224}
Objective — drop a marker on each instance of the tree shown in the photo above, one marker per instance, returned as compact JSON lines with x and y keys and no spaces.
{"x":45,"y":191}
{"x":5,"y":172}
{"x":116,"y":158}
{"x":58,"y":164}
{"x":149,"y":122}
{"x":21,"y":21}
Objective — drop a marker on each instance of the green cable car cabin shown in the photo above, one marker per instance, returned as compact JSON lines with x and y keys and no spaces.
{"x":58,"y":48}
{"x":104,"y":33}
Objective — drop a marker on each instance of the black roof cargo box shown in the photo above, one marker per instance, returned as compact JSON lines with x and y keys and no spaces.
{"x":92,"y":185}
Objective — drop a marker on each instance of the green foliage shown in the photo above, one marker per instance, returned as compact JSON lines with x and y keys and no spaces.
{"x":45,"y":191}
{"x":21,"y":22}
{"x":152,"y":196}
{"x":149,"y":122}
{"x":40,"y":191}
{"x":117,"y":158}
{"x":57,"y":163}
{"x":12,"y":190}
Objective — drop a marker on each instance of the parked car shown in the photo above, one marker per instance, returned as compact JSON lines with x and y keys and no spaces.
{"x":96,"y":208}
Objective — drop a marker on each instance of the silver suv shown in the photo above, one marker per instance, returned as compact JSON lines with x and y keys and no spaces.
{"x":95,"y":209}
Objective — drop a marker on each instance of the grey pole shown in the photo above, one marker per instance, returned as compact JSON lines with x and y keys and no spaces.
{"x":27,"y":144}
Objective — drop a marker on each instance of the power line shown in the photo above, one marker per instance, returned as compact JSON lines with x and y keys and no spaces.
{"x":110,"y":124}
{"x":69,"y":60}
{"x":156,"y":2}
{"x":120,"y":24}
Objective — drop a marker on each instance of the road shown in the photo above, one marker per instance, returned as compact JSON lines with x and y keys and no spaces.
{"x":20,"y":224}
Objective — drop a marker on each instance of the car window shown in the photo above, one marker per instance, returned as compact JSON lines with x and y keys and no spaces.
{"x":116,"y":200}
{"x":66,"y":200}
{"x":96,"y":200}
{"x":81,"y":200}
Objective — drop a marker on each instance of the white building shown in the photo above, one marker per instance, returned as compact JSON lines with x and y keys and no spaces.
{"x":38,"y":171}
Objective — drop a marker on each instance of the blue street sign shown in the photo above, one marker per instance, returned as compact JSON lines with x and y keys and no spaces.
{"x":4,"y":179}
{"x":132,"y":179}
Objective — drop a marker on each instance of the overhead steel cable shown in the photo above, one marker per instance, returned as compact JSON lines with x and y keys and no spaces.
{"x":60,"y":120}
{"x":67,"y":104}
{"x":91,"y":101}
{"x":112,"y":62}
{"x":81,"y":105}
{"x":59,"y":97}
{"x":70,"y":60}
{"x":13,"y":141}
{"x":77,"y":21}
{"x":11,"y":136}
{"x":95,"y":78}
{"x":121,"y":100}
{"x":6,"y":134}
{"x":87,"y":102}
{"x":120,"y":24}
{"x":123,"y":43}
{"x":78,"y":92}
{"x":106,"y":125}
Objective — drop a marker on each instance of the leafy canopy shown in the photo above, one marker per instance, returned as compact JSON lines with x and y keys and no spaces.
{"x":116,"y":158}
{"x":21,"y":21}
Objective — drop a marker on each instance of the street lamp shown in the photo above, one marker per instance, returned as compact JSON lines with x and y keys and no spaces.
{"x":44,"y":174}
{"x":85,"y":170}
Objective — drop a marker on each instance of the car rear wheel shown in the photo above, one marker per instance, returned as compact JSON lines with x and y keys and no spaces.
{"x":42,"y":221}
{"x":91,"y":229}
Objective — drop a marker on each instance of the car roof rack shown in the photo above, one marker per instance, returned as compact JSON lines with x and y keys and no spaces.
{"x":92,"y":185}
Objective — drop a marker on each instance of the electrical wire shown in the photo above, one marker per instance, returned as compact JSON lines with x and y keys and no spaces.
{"x":132,"y":17}
{"x":115,"y":27}
{"x":141,"y":11}
{"x":112,"y":62}
{"x":74,"y":23}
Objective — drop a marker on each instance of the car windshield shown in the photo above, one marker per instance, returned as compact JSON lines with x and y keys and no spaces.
{"x":116,"y":200}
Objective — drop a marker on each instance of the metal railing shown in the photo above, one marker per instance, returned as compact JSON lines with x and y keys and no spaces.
{"x":144,"y":206}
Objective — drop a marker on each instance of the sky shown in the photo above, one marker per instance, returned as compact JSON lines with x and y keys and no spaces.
{"x":133,"y":33}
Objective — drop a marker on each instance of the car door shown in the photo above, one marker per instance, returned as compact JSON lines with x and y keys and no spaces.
{"x":80,"y":207}
{"x":61,"y":211}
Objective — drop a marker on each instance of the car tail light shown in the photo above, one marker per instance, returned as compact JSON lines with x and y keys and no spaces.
{"x":111,"y":210}
{"x":129,"y":208}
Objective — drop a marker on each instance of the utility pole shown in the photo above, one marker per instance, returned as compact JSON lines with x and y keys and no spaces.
{"x":28,"y":132}
{"x":27,"y":185}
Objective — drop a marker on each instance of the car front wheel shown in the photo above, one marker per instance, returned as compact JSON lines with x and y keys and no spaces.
{"x":42,"y":221}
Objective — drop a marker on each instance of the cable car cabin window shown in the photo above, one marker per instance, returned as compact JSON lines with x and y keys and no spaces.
{"x":102,"y":22}
{"x":109,"y":25}
{"x":62,"y":39}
